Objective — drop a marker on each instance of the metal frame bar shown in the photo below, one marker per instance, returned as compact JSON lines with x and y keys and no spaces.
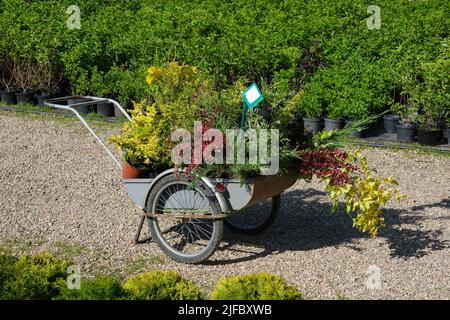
{"x":94,"y":100}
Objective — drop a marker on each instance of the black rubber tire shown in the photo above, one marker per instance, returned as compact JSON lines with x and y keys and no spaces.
{"x":157,"y":235}
{"x":276,"y":203}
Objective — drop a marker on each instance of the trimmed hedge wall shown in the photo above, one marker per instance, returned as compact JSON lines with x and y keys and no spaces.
{"x":288,"y":43}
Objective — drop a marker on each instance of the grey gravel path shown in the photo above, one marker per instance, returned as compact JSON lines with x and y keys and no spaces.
{"x":59,"y":191}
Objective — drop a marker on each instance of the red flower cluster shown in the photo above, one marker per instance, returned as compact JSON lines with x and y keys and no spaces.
{"x":205,"y":127}
{"x":323,"y":163}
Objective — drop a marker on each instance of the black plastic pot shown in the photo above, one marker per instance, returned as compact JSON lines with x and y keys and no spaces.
{"x":312,"y":125}
{"x":24,"y":97}
{"x":405,"y":133}
{"x":332,"y":124}
{"x":390,"y":123}
{"x":41,"y":98}
{"x":429,"y":137}
{"x":356,"y":134}
{"x":80,"y":109}
{"x":105,"y":109}
{"x":8,"y":97}
{"x":448,"y":135}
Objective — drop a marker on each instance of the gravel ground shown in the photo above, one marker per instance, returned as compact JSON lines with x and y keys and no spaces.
{"x":59,"y":191}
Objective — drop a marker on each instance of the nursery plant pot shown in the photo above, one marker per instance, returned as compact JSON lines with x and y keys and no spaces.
{"x":332,"y":124}
{"x":8,"y":97}
{"x":429,"y":137}
{"x":41,"y":98}
{"x":448,"y":135}
{"x":105,"y":109}
{"x":24,"y":97}
{"x":445,"y":130}
{"x":405,"y":133}
{"x":312,"y":125}
{"x":357,"y":133}
{"x":132,"y":172}
{"x":390,"y":123}
{"x":118,"y":113}
{"x":80,"y":109}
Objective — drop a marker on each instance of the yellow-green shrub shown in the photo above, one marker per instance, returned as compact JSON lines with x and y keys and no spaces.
{"x":260,"y":286}
{"x":179,"y":96}
{"x":99,"y":288}
{"x":161,"y":285}
{"x":366,"y":195}
{"x":38,"y":277}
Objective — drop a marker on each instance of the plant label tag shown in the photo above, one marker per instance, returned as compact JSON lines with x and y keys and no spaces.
{"x":252,"y":96}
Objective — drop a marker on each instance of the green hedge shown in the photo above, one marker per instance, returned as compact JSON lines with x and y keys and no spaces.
{"x":293,"y":41}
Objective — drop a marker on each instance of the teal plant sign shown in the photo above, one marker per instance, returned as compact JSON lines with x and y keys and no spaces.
{"x":252,"y":97}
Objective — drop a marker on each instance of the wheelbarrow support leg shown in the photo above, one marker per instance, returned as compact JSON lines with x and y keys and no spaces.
{"x":139,"y":230}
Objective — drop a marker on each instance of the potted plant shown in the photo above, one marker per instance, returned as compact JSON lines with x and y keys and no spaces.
{"x":141,"y":143}
{"x":23,"y":73}
{"x":46,"y":80}
{"x":7,"y":82}
{"x":447,"y":127}
{"x":355,"y":113}
{"x":390,"y":123}
{"x":433,"y":95}
{"x":310,"y":107}
{"x":406,"y":127}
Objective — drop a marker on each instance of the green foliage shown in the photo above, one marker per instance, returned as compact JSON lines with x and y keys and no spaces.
{"x":261,"y":286}
{"x":408,"y":113}
{"x":312,"y":104}
{"x":32,"y":277}
{"x":161,"y":285}
{"x":179,"y":95}
{"x":294,"y":40}
{"x":99,"y":288}
{"x":433,"y":92}
{"x":7,"y":263}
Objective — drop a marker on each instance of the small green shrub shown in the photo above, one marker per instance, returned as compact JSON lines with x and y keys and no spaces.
{"x":100,"y":288}
{"x":312,"y":104}
{"x":38,"y":277}
{"x":7,"y":263}
{"x":260,"y":286}
{"x":161,"y":285}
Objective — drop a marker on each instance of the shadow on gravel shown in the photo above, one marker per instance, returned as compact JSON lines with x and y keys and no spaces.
{"x":304,"y":224}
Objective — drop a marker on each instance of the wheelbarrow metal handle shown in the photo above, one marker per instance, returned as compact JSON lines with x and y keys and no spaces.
{"x":93,"y":100}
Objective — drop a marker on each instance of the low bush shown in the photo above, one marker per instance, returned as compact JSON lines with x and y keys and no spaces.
{"x":99,"y":288}
{"x":7,"y":263}
{"x":43,"y":277}
{"x":261,"y":286}
{"x":161,"y":285}
{"x":38,"y":277}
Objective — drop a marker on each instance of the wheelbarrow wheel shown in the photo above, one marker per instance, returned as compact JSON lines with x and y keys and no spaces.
{"x":185,"y":240}
{"x":256,"y":218}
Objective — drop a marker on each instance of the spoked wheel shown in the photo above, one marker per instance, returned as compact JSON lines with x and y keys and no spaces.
{"x":256,"y":218}
{"x":187,"y":240}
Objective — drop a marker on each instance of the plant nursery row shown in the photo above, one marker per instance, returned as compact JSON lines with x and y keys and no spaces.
{"x":320,"y":60}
